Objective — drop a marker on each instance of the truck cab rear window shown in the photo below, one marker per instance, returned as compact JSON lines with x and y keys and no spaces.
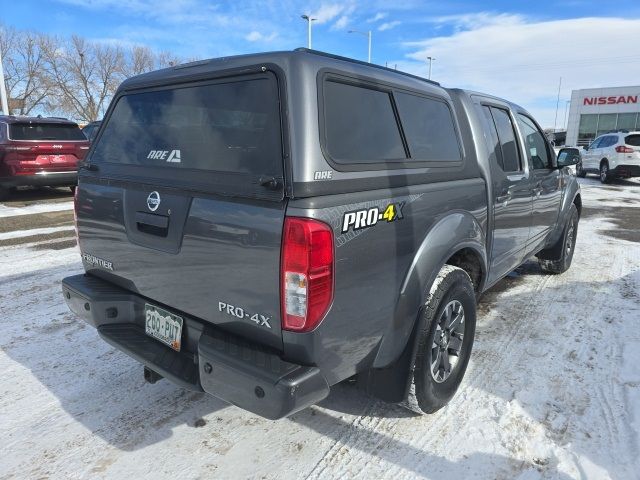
{"x":227,"y":127}
{"x":45,"y":131}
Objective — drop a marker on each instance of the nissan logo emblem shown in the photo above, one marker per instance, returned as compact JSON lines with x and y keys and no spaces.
{"x":153,"y":201}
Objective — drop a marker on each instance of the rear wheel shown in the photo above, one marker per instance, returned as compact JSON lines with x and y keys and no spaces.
{"x":605,"y":173}
{"x":580,"y":172}
{"x":446,"y":331}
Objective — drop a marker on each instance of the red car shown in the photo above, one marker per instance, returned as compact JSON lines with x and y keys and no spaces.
{"x":38,"y":151}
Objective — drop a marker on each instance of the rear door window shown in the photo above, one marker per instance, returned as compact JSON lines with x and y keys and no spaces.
{"x":229,"y":126}
{"x":429,"y":128}
{"x":506,"y":134}
{"x":633,"y":140}
{"x":58,"y":132}
{"x":360,"y":125}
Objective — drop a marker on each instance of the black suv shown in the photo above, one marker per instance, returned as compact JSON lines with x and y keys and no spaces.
{"x":265,"y":226}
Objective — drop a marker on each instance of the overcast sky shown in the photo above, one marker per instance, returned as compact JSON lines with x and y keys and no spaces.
{"x":516,"y":50}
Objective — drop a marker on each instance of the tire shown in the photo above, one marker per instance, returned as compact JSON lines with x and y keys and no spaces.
{"x":580,"y":172}
{"x":563,"y":250}
{"x":605,"y":173}
{"x":451,"y":301}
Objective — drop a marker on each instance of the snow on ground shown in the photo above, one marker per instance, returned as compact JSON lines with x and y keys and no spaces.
{"x":34,"y":232}
{"x":552,"y":390}
{"x":12,"y":211}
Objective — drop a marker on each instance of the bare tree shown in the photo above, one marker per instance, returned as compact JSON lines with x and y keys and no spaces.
{"x":139,"y":59}
{"x":24,"y":64}
{"x":70,"y":76}
{"x":166,"y":59}
{"x":86,"y":76}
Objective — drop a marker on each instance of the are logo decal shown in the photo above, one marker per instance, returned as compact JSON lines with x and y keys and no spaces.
{"x":368,"y":217}
{"x":172,"y":157}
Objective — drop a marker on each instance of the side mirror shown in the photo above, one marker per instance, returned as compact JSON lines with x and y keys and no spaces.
{"x":568,"y":157}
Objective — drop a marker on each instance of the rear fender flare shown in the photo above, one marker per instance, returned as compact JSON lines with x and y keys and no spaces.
{"x":456,"y":231}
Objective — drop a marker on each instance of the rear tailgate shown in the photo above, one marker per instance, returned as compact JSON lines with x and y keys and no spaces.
{"x":633,"y":141}
{"x":42,"y":147}
{"x":174,"y":202}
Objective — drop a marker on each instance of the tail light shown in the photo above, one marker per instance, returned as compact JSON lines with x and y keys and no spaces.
{"x":306,"y":273}
{"x":624,"y":149}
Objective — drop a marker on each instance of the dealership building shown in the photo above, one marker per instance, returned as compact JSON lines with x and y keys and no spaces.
{"x":595,"y":111}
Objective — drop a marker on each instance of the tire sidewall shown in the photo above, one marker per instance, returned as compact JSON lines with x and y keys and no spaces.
{"x":607,"y":176}
{"x":430,"y":394}
{"x":573,"y":220}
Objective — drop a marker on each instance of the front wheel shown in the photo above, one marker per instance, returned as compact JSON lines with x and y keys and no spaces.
{"x":446,"y":331}
{"x":580,"y":172}
{"x":562,"y":253}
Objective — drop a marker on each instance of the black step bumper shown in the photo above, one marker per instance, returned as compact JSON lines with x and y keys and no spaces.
{"x":229,"y":367}
{"x":626,"y":171}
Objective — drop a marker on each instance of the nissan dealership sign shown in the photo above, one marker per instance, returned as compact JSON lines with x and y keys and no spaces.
{"x":613,"y":100}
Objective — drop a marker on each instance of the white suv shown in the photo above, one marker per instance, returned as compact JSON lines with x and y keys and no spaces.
{"x":612,"y":155}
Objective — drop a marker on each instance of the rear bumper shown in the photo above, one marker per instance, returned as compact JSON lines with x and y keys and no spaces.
{"x":626,"y":171}
{"x":44,"y":179}
{"x":245,"y":374}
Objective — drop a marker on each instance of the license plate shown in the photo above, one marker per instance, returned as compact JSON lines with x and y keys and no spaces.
{"x":163,"y":326}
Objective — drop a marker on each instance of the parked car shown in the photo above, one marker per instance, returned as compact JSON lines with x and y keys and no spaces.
{"x":380,"y":206}
{"x":37,"y":151}
{"x":91,"y":129}
{"x":612,"y":155}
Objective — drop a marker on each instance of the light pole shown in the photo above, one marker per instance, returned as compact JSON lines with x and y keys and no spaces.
{"x":309,"y":20}
{"x":431,"y":59}
{"x":566,"y":105}
{"x":3,"y":91}
{"x":368,"y":35}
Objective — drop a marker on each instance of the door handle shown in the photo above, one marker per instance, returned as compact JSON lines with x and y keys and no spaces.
{"x":503,"y":198}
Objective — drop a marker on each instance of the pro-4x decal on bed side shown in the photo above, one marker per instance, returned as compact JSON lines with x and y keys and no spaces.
{"x":363,"y":218}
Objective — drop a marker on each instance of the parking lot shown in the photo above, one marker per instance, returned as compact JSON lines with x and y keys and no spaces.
{"x":552,"y":391}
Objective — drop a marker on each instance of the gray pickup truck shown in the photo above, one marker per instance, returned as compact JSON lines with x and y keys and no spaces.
{"x":262,"y":227}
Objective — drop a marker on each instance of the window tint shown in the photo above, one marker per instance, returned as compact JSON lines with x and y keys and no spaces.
{"x":535,"y":143}
{"x":610,"y":140}
{"x":428,"y":127}
{"x":596,"y":143}
{"x":506,"y":135}
{"x":227,"y":127}
{"x":633,"y":140}
{"x":45,"y":131}
{"x":360,"y":125}
{"x":492,"y":137}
